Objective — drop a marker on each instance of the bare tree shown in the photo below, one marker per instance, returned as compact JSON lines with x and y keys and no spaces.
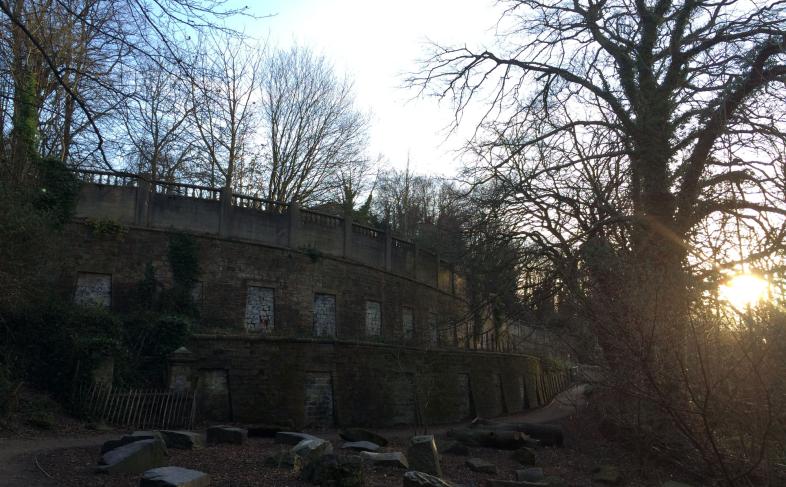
{"x":617,"y":136}
{"x":76,"y":53}
{"x":311,"y":128}
{"x":223,"y":91}
{"x":159,"y":123}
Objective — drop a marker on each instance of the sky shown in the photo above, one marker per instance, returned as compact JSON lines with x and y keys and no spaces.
{"x":377,"y":43}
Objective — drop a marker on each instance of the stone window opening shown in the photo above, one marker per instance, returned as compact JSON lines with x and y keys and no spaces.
{"x":408,"y":322}
{"x":260,"y":308}
{"x":433,"y":326}
{"x":93,"y":289}
{"x":324,"y":315}
{"x":373,"y":318}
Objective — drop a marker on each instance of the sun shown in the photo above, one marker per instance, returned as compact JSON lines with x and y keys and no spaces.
{"x":743,"y":290}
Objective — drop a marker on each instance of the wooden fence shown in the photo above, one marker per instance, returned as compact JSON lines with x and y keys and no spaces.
{"x":136,"y":408}
{"x":551,"y":383}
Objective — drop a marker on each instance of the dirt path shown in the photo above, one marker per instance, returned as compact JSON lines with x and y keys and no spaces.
{"x":18,"y":457}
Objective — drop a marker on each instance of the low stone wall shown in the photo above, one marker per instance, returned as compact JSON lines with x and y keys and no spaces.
{"x":325,"y":383}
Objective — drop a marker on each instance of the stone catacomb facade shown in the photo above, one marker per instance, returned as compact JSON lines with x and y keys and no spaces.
{"x":305,"y":316}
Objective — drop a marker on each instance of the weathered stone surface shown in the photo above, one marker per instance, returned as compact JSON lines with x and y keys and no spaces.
{"x":514,"y":483}
{"x":546,"y":434}
{"x":285,"y":459}
{"x":414,"y":478}
{"x":357,"y":434}
{"x":183,"y":440}
{"x":491,"y":438}
{"x":136,"y":457}
{"x":482,"y":466}
{"x":292,"y":437}
{"x":452,"y":447}
{"x":360,"y":446}
{"x":534,"y":474}
{"x":174,"y":477}
{"x":126,"y":439}
{"x":525,"y":456}
{"x":310,"y":450}
{"x":266,"y":430}
{"x":606,"y":474}
{"x":332,"y":470}
{"x":672,"y":483}
{"x":422,"y":455}
{"x":387,"y":459}
{"x":555,"y":481}
{"x":226,"y":434}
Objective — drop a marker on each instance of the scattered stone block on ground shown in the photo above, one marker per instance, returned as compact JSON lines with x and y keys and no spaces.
{"x":514,"y":483}
{"x":292,"y":437}
{"x":358,"y":434}
{"x":136,"y":457}
{"x":525,"y":456}
{"x":226,"y":435}
{"x":310,"y":450}
{"x":545,"y":434}
{"x":131,"y":438}
{"x":533,"y":474}
{"x":491,"y":438}
{"x":265,"y":430}
{"x":183,"y":440}
{"x":482,"y":466}
{"x":285,"y":459}
{"x":332,"y":470}
{"x":414,"y":478}
{"x":422,"y":455}
{"x":388,"y":459}
{"x":606,"y":474}
{"x":360,"y":446}
{"x":452,"y":447}
{"x":174,"y":477}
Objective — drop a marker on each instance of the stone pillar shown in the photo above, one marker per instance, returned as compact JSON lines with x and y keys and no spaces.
{"x":144,"y":196}
{"x":452,"y":279}
{"x":295,"y":225}
{"x":416,"y":251}
{"x":225,"y":217}
{"x":104,"y":372}
{"x":347,"y":234}
{"x":389,"y":250}
{"x":436,"y":257}
{"x":180,"y":369}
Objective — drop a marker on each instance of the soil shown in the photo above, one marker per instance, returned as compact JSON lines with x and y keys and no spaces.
{"x":71,"y":461}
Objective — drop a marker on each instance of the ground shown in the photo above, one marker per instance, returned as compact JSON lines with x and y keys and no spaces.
{"x":70,"y":460}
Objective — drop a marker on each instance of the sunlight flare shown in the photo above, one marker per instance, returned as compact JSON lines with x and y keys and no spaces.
{"x":744,"y":290}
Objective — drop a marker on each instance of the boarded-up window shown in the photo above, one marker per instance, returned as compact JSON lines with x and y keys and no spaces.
{"x":260,"y":302}
{"x":93,"y":289}
{"x":433,"y":327}
{"x":324,"y":315}
{"x":198,"y":293}
{"x":408,"y":322}
{"x":373,"y":318}
{"x":318,"y":408}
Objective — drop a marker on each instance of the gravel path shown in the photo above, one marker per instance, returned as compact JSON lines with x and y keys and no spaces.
{"x":18,"y":457}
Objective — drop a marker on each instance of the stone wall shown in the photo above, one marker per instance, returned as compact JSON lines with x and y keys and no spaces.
{"x":325,"y":383}
{"x":250,"y":288}
{"x":211,"y":211}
